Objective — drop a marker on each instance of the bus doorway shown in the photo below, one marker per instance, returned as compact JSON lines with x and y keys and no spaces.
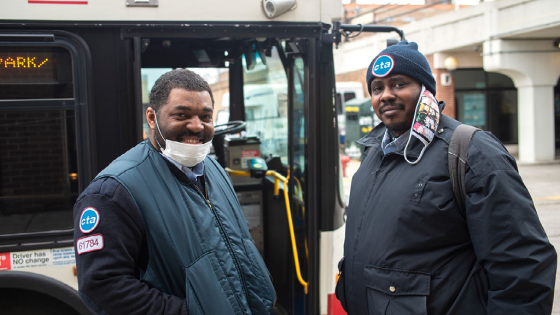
{"x":269,"y":93}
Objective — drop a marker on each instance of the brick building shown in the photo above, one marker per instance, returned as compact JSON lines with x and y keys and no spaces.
{"x":505,"y":64}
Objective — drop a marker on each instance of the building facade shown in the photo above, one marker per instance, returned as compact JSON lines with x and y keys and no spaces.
{"x":497,"y":66}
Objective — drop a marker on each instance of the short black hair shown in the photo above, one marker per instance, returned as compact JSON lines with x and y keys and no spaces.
{"x":178,"y":78}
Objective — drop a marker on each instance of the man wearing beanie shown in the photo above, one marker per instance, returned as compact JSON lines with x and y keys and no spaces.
{"x":409,"y":248}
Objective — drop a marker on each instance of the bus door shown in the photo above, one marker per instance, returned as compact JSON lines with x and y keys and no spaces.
{"x":274,"y":94}
{"x":44,"y":163}
{"x":290,"y":121}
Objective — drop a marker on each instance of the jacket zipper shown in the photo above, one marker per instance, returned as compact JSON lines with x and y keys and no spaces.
{"x":228,"y":244}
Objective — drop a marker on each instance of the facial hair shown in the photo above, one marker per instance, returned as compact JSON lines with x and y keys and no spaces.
{"x":400,"y":127}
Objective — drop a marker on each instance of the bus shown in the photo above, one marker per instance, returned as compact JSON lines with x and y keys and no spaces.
{"x":74,"y":80}
{"x":360,"y":120}
{"x":346,"y":91}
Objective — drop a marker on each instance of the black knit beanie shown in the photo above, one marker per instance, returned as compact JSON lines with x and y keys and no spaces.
{"x":402,"y":58}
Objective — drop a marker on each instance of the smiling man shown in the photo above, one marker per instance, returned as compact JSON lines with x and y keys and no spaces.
{"x":160,"y":230}
{"x":409,"y":249}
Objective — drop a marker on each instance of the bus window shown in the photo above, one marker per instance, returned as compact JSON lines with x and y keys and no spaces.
{"x":300,"y":128}
{"x":222,"y":117}
{"x":38,"y":155}
{"x":299,"y":136}
{"x":266,"y":105}
{"x":149,"y":77}
{"x":38,"y":178}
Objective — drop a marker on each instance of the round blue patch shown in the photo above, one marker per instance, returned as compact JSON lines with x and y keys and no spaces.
{"x":382,"y":66}
{"x":89,"y":220}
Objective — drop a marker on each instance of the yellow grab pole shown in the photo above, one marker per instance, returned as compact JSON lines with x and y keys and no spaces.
{"x":300,"y":192}
{"x":276,"y":186}
{"x":292,"y":235}
{"x":238,"y":173}
{"x":277,"y":178}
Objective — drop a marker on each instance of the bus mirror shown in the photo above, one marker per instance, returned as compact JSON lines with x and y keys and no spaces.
{"x":392,"y":41}
{"x":250,"y":55}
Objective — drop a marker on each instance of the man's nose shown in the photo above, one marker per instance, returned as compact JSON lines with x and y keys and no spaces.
{"x":195,"y":125}
{"x":387,"y":95}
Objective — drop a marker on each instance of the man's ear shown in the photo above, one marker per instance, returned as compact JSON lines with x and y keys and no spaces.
{"x":151,"y":118}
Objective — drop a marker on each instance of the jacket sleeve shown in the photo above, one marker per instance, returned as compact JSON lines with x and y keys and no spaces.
{"x":507,"y":235}
{"x":109,"y":271}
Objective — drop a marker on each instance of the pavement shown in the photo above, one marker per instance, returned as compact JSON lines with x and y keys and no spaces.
{"x":543,"y":183}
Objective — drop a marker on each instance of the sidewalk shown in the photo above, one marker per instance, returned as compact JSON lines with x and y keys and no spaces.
{"x":351,"y":168}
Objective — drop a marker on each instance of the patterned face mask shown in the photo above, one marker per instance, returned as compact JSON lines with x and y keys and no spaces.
{"x":425,"y":122}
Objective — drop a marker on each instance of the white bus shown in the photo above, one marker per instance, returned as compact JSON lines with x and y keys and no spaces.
{"x":73,"y":98}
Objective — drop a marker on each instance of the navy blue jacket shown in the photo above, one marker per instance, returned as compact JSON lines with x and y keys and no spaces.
{"x":409,"y":250}
{"x":195,"y":246}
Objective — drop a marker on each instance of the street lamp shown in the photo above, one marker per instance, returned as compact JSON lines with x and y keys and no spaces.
{"x":450,"y":63}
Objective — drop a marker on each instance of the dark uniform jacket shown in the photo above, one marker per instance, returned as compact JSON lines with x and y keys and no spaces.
{"x":409,"y":250}
{"x":167,"y":248}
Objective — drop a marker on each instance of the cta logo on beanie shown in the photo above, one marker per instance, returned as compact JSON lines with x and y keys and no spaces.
{"x":402,"y":58}
{"x":382,"y":66}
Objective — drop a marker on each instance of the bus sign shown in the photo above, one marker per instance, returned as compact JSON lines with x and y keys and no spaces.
{"x":37,"y":258}
{"x":27,"y":67}
{"x":5,"y":261}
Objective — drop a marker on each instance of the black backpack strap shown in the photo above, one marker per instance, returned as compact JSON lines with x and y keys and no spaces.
{"x":457,"y":160}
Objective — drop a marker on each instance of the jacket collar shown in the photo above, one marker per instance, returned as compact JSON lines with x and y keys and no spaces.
{"x":179,"y":174}
{"x":374,"y":138}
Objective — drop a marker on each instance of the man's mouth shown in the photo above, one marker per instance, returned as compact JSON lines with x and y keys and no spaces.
{"x":192,"y":140}
{"x":391,"y":109}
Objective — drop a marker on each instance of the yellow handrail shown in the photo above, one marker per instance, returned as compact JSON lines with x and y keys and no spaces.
{"x":277,"y":179}
{"x":300,"y":193}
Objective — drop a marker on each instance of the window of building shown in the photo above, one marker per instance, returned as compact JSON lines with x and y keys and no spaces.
{"x":487,"y":100}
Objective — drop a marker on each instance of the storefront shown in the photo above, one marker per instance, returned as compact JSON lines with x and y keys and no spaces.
{"x":487,"y":100}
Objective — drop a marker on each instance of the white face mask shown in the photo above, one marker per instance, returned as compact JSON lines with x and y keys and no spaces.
{"x":184,"y":153}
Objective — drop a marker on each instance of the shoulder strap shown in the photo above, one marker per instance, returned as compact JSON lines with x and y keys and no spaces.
{"x":457,"y":160}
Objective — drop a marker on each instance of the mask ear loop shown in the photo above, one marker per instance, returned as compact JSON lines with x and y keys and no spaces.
{"x":411,"y":131}
{"x":421,"y":152}
{"x":155,"y":138}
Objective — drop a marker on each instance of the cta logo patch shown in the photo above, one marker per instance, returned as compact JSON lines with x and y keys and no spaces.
{"x":382,"y":66}
{"x":89,"y":220}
